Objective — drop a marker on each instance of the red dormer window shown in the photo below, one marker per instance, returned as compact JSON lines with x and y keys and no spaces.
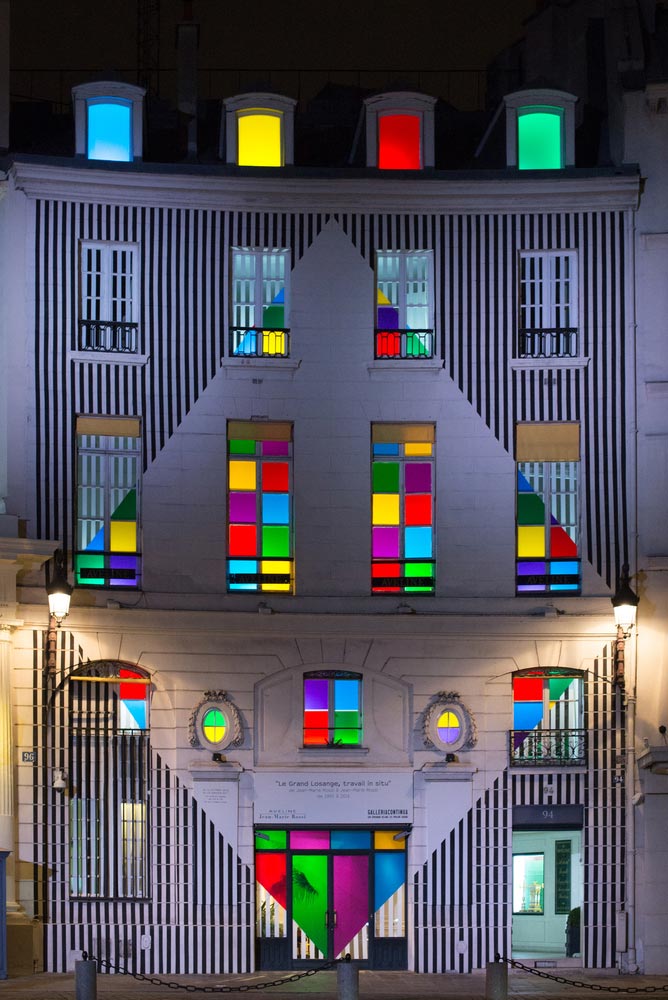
{"x":400,"y":131}
{"x":399,"y":142}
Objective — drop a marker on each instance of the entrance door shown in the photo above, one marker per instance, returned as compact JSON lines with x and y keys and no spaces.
{"x":322,"y":894}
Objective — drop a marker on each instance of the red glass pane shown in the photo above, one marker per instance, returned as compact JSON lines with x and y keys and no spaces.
{"x":528,"y":688}
{"x":275,"y":477}
{"x":242,"y":540}
{"x":399,"y":142}
{"x":384,"y":571}
{"x":388,"y":344}
{"x":417,"y":509}
{"x":315,"y":737}
{"x":561,"y":544}
{"x":131,"y":692}
{"x":270,"y":871}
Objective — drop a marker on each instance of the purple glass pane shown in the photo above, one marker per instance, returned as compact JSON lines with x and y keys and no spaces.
{"x":275,"y":447}
{"x":535,"y":568}
{"x":315,"y":693}
{"x":385,"y":543}
{"x":388,"y":318}
{"x":309,"y":840}
{"x":418,"y":477}
{"x":117,"y":563}
{"x":243,"y":508}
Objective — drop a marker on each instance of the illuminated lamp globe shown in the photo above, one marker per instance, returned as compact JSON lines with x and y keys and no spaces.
{"x":625,"y":602}
{"x":59,"y":591}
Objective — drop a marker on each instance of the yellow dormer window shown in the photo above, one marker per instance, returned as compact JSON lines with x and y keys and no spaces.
{"x":259,"y":139}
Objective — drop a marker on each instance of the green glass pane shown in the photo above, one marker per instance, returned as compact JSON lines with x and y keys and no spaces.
{"x":270,"y":840}
{"x":349,"y":737}
{"x":530,"y":509}
{"x":309,"y":896}
{"x":273,"y":317}
{"x":558,"y":685}
{"x":349,"y":720}
{"x":241,"y":447}
{"x":415,"y":347}
{"x":127,"y":508}
{"x":539,"y":140}
{"x":276,"y":541}
{"x":385,"y":477}
{"x":85,"y":562}
{"x":423,"y":570}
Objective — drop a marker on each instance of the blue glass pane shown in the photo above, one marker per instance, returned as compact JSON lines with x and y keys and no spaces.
{"x":109,"y":132}
{"x":527,"y":714}
{"x":346,"y":696}
{"x":523,"y":485}
{"x":241,"y":566}
{"x":247,"y":343}
{"x":96,"y":543}
{"x":133,"y":714}
{"x":385,"y":449}
{"x":388,"y":876}
{"x":351,"y":840}
{"x":275,"y":508}
{"x":572,"y":568}
{"x":417,"y":543}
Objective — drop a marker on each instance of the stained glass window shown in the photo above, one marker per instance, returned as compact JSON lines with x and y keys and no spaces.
{"x":260,"y":529}
{"x":548,"y":306}
{"x":540,"y":138}
{"x":404,"y":305}
{"x":548,"y":718}
{"x":402,"y":508}
{"x":108,"y":464}
{"x":332,"y":708}
{"x":259,"y":138}
{"x":259,"y":325}
{"x":109,"y":129}
{"x":399,"y":141}
{"x":547,"y":509}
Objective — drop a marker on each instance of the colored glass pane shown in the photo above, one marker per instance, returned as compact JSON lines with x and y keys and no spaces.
{"x":123,"y":536}
{"x":242,"y":574}
{"x":109,"y":131}
{"x":123,"y":570}
{"x":214,"y":725}
{"x":385,"y":477}
{"x":417,"y":509}
{"x":346,"y":694}
{"x":383,"y":840}
{"x":557,"y":686}
{"x":385,"y":509}
{"x":310,"y":893}
{"x":448,"y":727}
{"x":530,"y":542}
{"x":530,"y":509}
{"x":275,"y":477}
{"x":316,"y":692}
{"x":242,"y":475}
{"x":242,"y":540}
{"x":130,"y":689}
{"x":417,"y":543}
{"x":385,"y":448}
{"x":561,"y":543}
{"x":276,"y":508}
{"x":270,"y":840}
{"x":243,"y":508}
{"x":309,"y":840}
{"x":273,"y":342}
{"x":273,"y":317}
{"x":132,"y":715}
{"x":418,"y":448}
{"x":350,"y":874}
{"x":259,"y":140}
{"x":385,"y":543}
{"x":527,"y":688}
{"x":275,"y":448}
{"x":399,"y":142}
{"x":241,"y":447}
{"x":418,"y":477}
{"x":271,"y":873}
{"x":276,"y":574}
{"x":351,"y":840}
{"x":389,"y":875}
{"x":539,"y":139}
{"x":419,"y":576}
{"x":275,"y":541}
{"x":90,"y":570}
{"x":527,"y":714}
{"x":127,"y":508}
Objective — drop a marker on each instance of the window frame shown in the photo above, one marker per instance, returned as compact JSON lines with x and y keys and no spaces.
{"x":404,"y":343}
{"x":239,"y":334}
{"x":105,"y":335}
{"x":519,"y":101}
{"x":332,"y":676}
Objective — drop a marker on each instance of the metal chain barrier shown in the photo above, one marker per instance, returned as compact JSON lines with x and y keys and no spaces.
{"x":191,"y":988}
{"x":598,"y":987}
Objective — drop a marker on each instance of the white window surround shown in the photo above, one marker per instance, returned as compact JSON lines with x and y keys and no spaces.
{"x":396,"y":103}
{"x":537,"y":97}
{"x":85,"y":93}
{"x":108,"y":327}
{"x":548,"y":306}
{"x":276,"y":104}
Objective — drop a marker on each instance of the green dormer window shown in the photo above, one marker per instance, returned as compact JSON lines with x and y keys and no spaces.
{"x":540,"y":138}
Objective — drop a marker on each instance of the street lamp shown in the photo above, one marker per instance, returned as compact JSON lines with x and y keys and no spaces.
{"x":625,"y":605}
{"x":59,"y":591}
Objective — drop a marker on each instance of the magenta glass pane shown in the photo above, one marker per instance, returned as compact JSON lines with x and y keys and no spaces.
{"x":275,"y":447}
{"x":351,"y":897}
{"x":243,"y":509}
{"x":315,"y":693}
{"x":418,"y":477}
{"x":309,"y":840}
{"x":385,"y":543}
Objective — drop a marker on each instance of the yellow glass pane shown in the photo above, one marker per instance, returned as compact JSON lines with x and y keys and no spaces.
{"x":531,"y":542}
{"x":275,"y":567}
{"x":242,"y":475}
{"x":273,"y":342}
{"x":123,"y":536}
{"x":418,"y":448}
{"x":260,"y":140}
{"x":383,"y":840}
{"x":386,"y":508}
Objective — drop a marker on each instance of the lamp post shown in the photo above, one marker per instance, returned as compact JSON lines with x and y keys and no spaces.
{"x":59,"y":592}
{"x":625,"y":605}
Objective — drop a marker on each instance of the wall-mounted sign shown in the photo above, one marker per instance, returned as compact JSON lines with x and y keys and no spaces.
{"x":547,"y":817}
{"x":372,"y":798}
{"x":28,"y":756}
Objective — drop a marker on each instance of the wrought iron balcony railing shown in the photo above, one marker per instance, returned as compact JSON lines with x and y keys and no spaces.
{"x":249,"y":342}
{"x":547,"y":747}
{"x":409,"y":344}
{"x":116,"y":338}
{"x":548,"y":343}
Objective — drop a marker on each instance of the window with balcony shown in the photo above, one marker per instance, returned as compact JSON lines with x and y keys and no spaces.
{"x":404,"y":305}
{"x":548,"y":719}
{"x":260,"y":299}
{"x":548,"y":305}
{"x":547,"y":508}
{"x":109,"y":280}
{"x":332,"y":708}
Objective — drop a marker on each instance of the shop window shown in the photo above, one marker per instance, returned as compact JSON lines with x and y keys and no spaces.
{"x":108,"y":771}
{"x":108,"y":507}
{"x":260,"y":300}
{"x":259,"y":130}
{"x":400,"y":131}
{"x":260,"y":519}
{"x":108,"y":297}
{"x":402,"y":508}
{"x":529,"y":884}
{"x":108,"y":121}
{"x":404,"y":305}
{"x":548,"y":719}
{"x":332,"y":709}
{"x":548,"y":305}
{"x":540,"y":129}
{"x":547,"y":508}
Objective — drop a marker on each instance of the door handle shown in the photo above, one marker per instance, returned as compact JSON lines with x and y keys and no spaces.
{"x":334,"y":924}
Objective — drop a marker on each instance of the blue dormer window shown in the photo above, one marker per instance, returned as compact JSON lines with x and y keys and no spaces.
{"x":109,"y":132}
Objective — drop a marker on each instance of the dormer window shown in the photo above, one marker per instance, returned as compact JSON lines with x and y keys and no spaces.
{"x":400,"y":131}
{"x":108,"y":121}
{"x":540,"y":129}
{"x":259,"y":130}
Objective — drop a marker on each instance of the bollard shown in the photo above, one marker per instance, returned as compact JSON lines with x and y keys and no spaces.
{"x":85,"y":979}
{"x":496,"y":981}
{"x":347,"y":980}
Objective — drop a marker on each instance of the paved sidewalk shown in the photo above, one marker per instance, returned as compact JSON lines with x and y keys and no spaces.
{"x":322,"y":986}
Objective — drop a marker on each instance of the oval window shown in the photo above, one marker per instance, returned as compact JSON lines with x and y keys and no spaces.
{"x":448,"y":727}
{"x":214,"y":726}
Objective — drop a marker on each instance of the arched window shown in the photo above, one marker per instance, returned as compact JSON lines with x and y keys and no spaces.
{"x":400,"y":131}
{"x":540,"y":129}
{"x":259,"y":130}
{"x":332,"y":708}
{"x":108,"y":121}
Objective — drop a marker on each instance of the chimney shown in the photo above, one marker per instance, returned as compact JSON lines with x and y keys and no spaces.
{"x":187,"y":40}
{"x":4,"y":74}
